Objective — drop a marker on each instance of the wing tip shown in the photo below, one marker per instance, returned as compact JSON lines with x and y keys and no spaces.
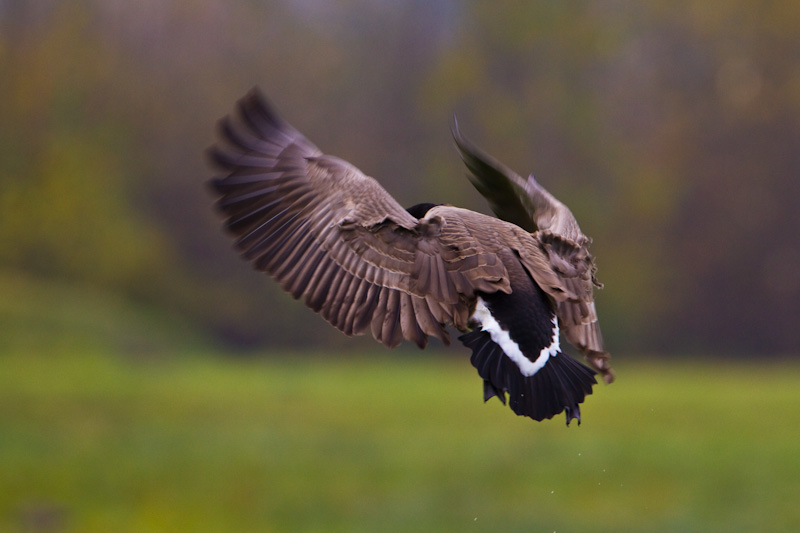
{"x":464,"y":147}
{"x":254,"y":99}
{"x":599,"y":362}
{"x":255,"y":106}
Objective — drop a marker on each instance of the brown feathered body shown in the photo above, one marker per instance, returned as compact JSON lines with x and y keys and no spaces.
{"x":334,"y":237}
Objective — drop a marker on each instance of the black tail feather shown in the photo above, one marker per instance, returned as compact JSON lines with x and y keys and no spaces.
{"x":489,"y":391}
{"x":560,"y":385}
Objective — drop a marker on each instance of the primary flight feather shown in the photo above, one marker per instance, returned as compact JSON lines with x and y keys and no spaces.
{"x":333,"y":236}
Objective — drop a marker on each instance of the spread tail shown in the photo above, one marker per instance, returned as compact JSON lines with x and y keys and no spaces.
{"x":560,"y":385}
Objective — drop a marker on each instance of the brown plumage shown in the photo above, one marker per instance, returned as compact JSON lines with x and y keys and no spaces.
{"x":333,"y":236}
{"x":529,"y":205}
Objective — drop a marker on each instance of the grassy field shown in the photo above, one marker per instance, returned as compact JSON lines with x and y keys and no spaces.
{"x":389,"y":442}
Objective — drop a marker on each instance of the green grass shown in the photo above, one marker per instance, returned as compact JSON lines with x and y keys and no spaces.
{"x":391,"y":442}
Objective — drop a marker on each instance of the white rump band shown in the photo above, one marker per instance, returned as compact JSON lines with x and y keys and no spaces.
{"x":510,"y":348}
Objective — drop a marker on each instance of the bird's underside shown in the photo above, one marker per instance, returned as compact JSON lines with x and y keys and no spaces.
{"x":334,"y":237}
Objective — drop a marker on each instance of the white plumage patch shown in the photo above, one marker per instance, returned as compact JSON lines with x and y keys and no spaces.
{"x":510,"y":348}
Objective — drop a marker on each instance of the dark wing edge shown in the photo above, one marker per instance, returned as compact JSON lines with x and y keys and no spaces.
{"x":514,"y":199}
{"x":497,"y":183}
{"x":330,"y":234}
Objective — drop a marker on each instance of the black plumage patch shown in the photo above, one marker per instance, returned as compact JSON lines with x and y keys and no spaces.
{"x":561,"y":384}
{"x":418,"y":211}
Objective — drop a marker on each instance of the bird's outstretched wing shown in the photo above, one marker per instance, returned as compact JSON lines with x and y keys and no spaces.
{"x":334,"y":236}
{"x":519,"y":201}
{"x":528,"y":205}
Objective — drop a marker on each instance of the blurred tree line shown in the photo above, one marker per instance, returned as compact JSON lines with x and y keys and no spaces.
{"x":671,"y":128}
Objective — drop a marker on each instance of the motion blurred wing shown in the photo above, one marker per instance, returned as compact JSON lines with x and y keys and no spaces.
{"x":522,"y":202}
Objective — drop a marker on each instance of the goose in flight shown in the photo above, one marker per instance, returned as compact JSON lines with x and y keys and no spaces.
{"x":333,"y":236}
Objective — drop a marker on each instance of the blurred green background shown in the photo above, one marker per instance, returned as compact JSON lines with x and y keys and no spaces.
{"x":150,"y":381}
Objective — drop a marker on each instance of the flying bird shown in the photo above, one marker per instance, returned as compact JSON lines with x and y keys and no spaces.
{"x":333,"y":236}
